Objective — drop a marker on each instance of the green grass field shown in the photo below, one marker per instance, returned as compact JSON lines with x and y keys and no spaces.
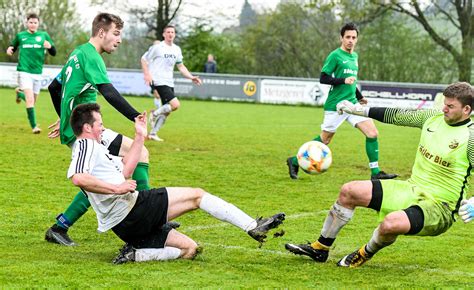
{"x":238,"y":152}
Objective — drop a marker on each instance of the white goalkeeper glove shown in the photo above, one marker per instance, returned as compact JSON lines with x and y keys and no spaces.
{"x":466,"y":211}
{"x":350,"y":108}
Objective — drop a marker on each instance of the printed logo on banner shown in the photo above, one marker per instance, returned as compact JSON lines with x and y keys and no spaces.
{"x":250,"y":88}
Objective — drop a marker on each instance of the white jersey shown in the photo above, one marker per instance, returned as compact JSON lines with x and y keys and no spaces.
{"x":89,"y":156}
{"x":161,"y":59}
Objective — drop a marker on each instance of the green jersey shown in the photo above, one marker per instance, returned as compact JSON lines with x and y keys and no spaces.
{"x":31,"y":50}
{"x":341,"y":64}
{"x":84,"y":70}
{"x":444,"y":157}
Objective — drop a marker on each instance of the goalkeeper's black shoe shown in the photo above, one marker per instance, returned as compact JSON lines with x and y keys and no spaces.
{"x":355,"y":259}
{"x":292,"y":169}
{"x":58,"y":235}
{"x":259,"y":233}
{"x":126,"y":254}
{"x":318,"y":255}
{"x":383,"y":175}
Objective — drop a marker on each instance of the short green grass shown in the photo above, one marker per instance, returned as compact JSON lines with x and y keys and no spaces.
{"x":236,"y":151}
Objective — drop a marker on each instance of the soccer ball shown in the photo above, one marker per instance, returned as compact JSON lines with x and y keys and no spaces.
{"x":314,"y":157}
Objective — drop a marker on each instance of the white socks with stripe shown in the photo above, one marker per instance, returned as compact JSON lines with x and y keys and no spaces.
{"x":163,"y":110}
{"x":226,"y":212}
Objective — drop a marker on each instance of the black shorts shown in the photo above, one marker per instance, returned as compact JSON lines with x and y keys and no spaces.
{"x":166,"y":93}
{"x":143,"y":226}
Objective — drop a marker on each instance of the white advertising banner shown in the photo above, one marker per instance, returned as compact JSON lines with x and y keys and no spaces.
{"x":284,"y":91}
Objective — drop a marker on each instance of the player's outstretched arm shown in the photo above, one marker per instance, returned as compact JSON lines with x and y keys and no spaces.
{"x":396,"y":116}
{"x":91,"y":183}
{"x":131,"y":158}
{"x":185,"y":72}
{"x":55,"y":88}
{"x":117,"y":101}
{"x":466,"y":211}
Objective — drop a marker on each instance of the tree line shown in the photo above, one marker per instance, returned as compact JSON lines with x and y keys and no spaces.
{"x":400,"y":43}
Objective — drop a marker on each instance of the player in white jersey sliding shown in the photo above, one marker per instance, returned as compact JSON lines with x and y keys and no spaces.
{"x":139,"y":217}
{"x":158,"y":66}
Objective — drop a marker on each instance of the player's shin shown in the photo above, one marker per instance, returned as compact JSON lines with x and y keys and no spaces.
{"x":152,"y":254}
{"x":338,"y":216}
{"x":226,"y":212}
{"x":372,"y":150}
{"x":76,"y":209}
{"x":378,"y":242}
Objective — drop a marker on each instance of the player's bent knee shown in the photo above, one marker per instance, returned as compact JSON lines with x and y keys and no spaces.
{"x":391,"y":225}
{"x":198,"y":193}
{"x":189,"y":252}
{"x":346,"y":192}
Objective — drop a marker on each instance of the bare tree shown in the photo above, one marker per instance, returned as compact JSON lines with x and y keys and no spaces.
{"x":157,"y":17}
{"x":456,"y":13}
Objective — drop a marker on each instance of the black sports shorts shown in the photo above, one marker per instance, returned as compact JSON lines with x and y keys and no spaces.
{"x":143,"y":226}
{"x":166,"y":93}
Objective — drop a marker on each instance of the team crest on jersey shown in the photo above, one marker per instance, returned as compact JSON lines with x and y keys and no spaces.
{"x":38,"y":38}
{"x":454,"y":144}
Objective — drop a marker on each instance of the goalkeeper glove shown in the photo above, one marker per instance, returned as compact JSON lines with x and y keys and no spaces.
{"x":466,"y":211}
{"x":350,"y":108}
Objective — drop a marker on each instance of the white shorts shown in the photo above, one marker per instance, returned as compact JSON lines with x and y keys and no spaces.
{"x":332,"y":120}
{"x":27,"y":81}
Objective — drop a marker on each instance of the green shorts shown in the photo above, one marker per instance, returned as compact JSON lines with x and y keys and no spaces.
{"x":400,"y":195}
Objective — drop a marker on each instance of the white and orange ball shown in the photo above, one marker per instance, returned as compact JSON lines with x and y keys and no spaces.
{"x":314,"y":157}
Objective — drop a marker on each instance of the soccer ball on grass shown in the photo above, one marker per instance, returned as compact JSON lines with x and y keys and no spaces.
{"x":314,"y":157}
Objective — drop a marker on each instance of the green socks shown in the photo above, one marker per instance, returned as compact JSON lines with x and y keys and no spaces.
{"x":372,"y":150}
{"x":140,"y":175}
{"x":294,"y":160}
{"x":21,"y":95}
{"x":76,"y":209}
{"x":31,"y":117}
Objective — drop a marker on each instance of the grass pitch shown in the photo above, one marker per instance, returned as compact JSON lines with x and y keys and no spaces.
{"x":238,"y":152}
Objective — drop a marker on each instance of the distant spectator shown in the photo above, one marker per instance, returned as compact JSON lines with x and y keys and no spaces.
{"x":210,"y":66}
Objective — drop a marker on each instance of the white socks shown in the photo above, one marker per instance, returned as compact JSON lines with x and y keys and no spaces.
{"x":163,"y":110}
{"x":378,"y":242}
{"x":157,"y":254}
{"x":337,"y":218}
{"x":226,"y":212}
{"x":158,"y":124}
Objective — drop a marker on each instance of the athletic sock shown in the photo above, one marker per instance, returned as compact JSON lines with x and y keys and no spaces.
{"x":160,"y":121}
{"x":140,"y":175}
{"x":378,"y":242}
{"x":163,"y":110}
{"x":21,"y":95}
{"x":226,"y":212}
{"x":372,"y":150}
{"x":318,"y":138}
{"x":31,"y":116}
{"x":155,"y":254}
{"x":338,"y":216}
{"x":78,"y":207}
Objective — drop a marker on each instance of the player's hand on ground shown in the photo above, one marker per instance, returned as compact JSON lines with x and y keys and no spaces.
{"x":54,"y":133}
{"x":349,"y":80}
{"x":363,"y":101}
{"x":47,"y":44}
{"x":466,"y":211}
{"x":196,"y":80}
{"x":126,"y":187}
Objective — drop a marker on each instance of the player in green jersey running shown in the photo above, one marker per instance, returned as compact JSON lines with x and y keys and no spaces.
{"x":423,"y":205}
{"x":340,"y":71}
{"x":31,"y":45}
{"x":83,"y":75}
